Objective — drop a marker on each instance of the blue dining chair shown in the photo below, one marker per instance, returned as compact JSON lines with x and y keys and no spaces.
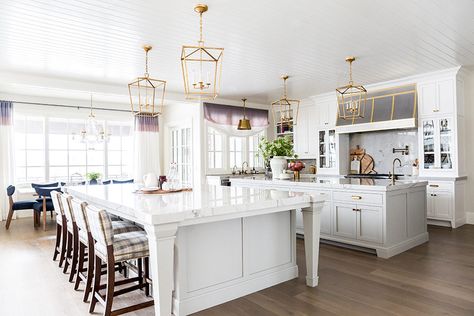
{"x":47,"y":185}
{"x":106,"y":182}
{"x":16,"y":206}
{"x":122,"y":181}
{"x":46,"y":203}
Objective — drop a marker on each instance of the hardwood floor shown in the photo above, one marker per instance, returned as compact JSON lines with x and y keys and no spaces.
{"x":436,"y":278}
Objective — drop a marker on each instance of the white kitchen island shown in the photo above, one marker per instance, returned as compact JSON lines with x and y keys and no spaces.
{"x":213,"y":245}
{"x":367,"y":213}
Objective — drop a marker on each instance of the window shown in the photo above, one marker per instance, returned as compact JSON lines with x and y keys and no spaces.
{"x":29,"y":149}
{"x":48,"y":149}
{"x":215,"y":149}
{"x":181,"y":153}
{"x":236,"y":151}
{"x":224,"y":152}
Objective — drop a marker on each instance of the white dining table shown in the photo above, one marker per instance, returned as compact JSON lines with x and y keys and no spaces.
{"x":215,"y":243}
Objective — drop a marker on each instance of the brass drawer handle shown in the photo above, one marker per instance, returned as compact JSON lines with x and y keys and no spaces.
{"x":357,"y":197}
{"x":434,"y":185}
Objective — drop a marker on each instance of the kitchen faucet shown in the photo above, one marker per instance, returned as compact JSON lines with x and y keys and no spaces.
{"x":234,"y":169}
{"x":392,"y":176}
{"x":244,"y":163}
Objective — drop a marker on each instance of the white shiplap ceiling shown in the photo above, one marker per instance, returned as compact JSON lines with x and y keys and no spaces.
{"x":100,"y":41}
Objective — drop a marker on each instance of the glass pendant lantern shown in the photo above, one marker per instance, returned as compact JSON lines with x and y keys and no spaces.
{"x":202,"y":66}
{"x":147,"y":94}
{"x":285,"y":111}
{"x":351,"y":98}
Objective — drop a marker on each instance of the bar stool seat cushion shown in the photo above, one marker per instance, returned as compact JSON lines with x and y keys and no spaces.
{"x":127,"y":246}
{"x":23,"y":205}
{"x":38,"y":206}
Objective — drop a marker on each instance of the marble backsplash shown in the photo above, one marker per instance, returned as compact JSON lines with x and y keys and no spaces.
{"x":379,"y":145}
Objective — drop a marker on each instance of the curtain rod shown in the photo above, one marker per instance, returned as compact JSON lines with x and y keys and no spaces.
{"x":71,"y":106}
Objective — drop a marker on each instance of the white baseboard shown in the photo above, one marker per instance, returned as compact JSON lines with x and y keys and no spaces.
{"x":207,"y":300}
{"x":470,"y":218}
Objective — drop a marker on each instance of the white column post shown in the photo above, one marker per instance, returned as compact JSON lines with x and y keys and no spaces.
{"x":161,"y":239}
{"x":312,"y":228}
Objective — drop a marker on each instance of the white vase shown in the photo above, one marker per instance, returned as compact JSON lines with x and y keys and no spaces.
{"x":278,"y":165}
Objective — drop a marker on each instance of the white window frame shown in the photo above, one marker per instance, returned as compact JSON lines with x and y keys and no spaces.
{"x":176,"y":149}
{"x":47,"y":163}
{"x":226,"y":167}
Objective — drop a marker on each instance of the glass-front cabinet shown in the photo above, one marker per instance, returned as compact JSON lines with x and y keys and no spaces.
{"x":327,"y":149}
{"x":438,"y":141}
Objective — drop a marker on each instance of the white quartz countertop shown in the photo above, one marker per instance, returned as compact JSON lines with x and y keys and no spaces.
{"x":208,"y":203}
{"x":330,"y":183}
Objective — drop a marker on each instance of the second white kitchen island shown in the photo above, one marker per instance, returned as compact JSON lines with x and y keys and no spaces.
{"x":215,"y":244}
{"x":367,"y":213}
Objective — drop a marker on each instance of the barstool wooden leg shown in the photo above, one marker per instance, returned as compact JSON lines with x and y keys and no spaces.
{"x":95,"y":291}
{"x":68,"y":251}
{"x":80,"y":264}
{"x":140,"y":271}
{"x":147,"y":276}
{"x":58,"y":241}
{"x":75,"y":254}
{"x":63,"y":243}
{"x":90,"y":269}
{"x":109,"y":296}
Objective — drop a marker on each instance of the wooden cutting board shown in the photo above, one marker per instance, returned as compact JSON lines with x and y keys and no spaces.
{"x":367,"y":163}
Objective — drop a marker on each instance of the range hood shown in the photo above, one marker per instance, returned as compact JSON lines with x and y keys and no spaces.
{"x":392,"y":108}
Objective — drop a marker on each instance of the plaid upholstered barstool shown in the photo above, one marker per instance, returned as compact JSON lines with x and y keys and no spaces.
{"x":61,"y":228}
{"x":113,"y":248}
{"x":86,"y":242}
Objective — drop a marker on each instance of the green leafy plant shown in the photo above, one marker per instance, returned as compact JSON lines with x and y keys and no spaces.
{"x":93,"y":175}
{"x":282,"y":146}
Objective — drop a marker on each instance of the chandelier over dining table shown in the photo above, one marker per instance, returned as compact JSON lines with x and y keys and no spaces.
{"x":201,"y":66}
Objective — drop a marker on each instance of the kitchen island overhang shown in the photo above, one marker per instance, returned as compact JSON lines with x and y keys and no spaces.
{"x":216,"y":244}
{"x":389,"y":219}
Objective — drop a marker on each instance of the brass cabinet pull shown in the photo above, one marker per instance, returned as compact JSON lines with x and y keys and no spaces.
{"x":357,"y":197}
{"x":434,"y":185}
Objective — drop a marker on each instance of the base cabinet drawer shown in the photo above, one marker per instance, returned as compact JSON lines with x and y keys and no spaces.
{"x":360,"y":198}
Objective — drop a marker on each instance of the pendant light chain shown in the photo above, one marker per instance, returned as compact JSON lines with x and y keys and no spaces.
{"x":146,"y":64}
{"x":91,"y":114}
{"x":201,"y":42}
{"x":350,"y":73}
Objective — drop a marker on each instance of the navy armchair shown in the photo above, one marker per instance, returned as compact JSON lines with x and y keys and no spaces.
{"x":122,"y":181}
{"x":16,"y":206}
{"x":45,"y":205}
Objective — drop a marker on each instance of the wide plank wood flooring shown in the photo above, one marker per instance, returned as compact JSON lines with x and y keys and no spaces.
{"x":436,"y":278}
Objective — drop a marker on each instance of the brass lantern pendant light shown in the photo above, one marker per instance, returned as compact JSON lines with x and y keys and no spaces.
{"x":244,"y":123}
{"x":351,"y":98}
{"x":147,"y":94}
{"x":201,"y":66}
{"x":285,"y":111}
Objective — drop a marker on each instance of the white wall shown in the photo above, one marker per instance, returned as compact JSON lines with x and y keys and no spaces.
{"x":469,"y":108}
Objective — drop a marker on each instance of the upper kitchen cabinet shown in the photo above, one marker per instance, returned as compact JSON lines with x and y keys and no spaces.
{"x":305,"y":132}
{"x":441,"y":127}
{"x":437,"y":97}
{"x":327,"y":111}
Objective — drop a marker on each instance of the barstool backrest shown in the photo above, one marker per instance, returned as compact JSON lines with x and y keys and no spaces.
{"x":57,"y":203}
{"x":66,"y":201}
{"x":77,"y":209}
{"x":100,"y":225}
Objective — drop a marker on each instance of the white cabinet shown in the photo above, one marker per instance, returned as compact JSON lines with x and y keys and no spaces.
{"x":327,"y":112}
{"x":345,"y":220}
{"x":438,"y":145}
{"x":360,"y":222}
{"x":305,"y":137}
{"x":327,"y":154}
{"x":440,"y":198}
{"x":437,"y":97}
{"x":369,"y":223}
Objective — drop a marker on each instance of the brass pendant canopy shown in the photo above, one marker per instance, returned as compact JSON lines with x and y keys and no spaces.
{"x":147,"y":94}
{"x":285,"y":111}
{"x":202,"y":66}
{"x":244,"y":123}
{"x":351,"y":98}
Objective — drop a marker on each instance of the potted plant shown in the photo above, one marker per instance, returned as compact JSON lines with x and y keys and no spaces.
{"x":93,"y":177}
{"x":275,"y":153}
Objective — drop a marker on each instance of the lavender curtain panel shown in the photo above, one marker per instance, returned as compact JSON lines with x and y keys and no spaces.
{"x":230,"y":115}
{"x":147,"y":124}
{"x":146,"y":150}
{"x":6,"y":154}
